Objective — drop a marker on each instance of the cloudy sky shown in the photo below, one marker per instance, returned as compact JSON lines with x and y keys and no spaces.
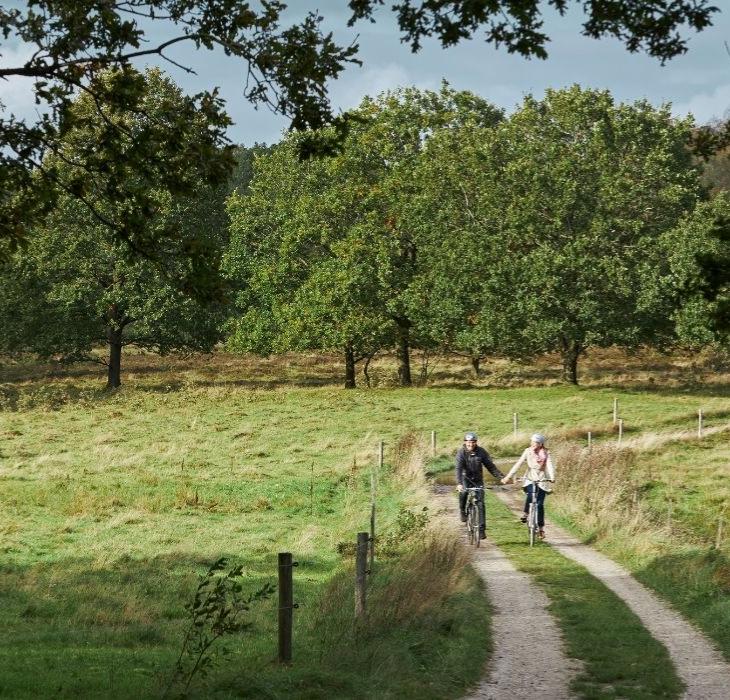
{"x":696,"y":83}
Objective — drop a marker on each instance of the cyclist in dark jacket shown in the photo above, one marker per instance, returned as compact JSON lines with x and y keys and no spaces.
{"x":470,"y":460}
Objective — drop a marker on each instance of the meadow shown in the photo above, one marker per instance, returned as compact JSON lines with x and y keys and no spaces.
{"x":113,"y":504}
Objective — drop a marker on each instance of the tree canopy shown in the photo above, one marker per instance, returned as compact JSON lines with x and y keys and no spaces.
{"x":76,"y":285}
{"x":443,"y":225}
{"x":284,"y":67}
{"x":325,"y":250}
{"x":566,"y":203}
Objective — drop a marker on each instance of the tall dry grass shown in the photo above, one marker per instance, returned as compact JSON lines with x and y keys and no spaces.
{"x":424,"y":566}
{"x":604,"y":490}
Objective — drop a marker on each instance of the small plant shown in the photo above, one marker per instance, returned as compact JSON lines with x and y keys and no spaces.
{"x":214,"y":612}
{"x":408,"y":524}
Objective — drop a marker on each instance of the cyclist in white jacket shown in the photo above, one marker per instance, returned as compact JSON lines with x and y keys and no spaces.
{"x":540,"y":474}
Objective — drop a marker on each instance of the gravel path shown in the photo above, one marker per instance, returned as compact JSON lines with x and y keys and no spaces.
{"x":516,"y":604}
{"x":699,"y":664}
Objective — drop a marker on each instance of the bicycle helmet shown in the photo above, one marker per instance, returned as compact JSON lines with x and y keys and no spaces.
{"x":538,"y":438}
{"x":470,"y":436}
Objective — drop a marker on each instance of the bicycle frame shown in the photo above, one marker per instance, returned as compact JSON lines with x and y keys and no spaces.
{"x":472,"y":514}
{"x":532,"y":526}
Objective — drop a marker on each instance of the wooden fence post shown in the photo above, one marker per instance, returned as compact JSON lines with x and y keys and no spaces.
{"x":700,"y":421}
{"x":372,"y":522}
{"x":590,"y":441}
{"x":311,"y":492}
{"x":718,"y":536}
{"x":361,"y":564}
{"x":286,"y":605}
{"x":381,"y":454}
{"x":615,"y":411}
{"x":433,"y":443}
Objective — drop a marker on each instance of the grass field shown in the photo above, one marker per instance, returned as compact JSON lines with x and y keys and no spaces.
{"x":111,"y":506}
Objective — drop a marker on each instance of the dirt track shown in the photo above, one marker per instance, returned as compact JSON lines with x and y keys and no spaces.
{"x":515,"y":599}
{"x":699,"y":664}
{"x":517,"y":603}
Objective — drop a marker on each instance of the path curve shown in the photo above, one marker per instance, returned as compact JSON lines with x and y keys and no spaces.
{"x":699,"y":664}
{"x":516,"y":603}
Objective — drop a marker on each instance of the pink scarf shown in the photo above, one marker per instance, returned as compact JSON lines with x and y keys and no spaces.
{"x":541,"y":456}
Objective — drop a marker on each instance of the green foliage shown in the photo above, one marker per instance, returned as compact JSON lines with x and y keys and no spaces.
{"x":76,"y":286}
{"x":696,"y":251}
{"x":518,"y":24}
{"x":324,"y":251}
{"x":215,"y":611}
{"x":409,"y":525}
{"x":74,"y":43}
{"x":559,"y":214}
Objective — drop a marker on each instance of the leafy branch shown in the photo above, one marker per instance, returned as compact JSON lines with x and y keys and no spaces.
{"x":215,"y":611}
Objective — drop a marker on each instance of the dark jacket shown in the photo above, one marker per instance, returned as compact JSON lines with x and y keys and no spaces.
{"x":469,"y":467}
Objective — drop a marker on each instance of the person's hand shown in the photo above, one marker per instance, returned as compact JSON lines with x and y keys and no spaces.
{"x":504,"y":480}
{"x":459,"y":487}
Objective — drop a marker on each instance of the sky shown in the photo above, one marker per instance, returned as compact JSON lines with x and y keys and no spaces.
{"x":697,"y":83}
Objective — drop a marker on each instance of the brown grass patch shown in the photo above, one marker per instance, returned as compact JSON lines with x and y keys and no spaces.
{"x":407,"y":458}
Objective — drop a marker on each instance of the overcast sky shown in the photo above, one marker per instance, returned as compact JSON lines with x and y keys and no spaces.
{"x":697,"y":83}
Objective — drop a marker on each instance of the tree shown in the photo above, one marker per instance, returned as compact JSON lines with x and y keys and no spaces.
{"x":700,"y":257}
{"x":565,"y":204}
{"x":467,"y":299}
{"x":329,"y":247}
{"x":593,"y":187}
{"x":86,"y":289}
{"x":298,"y":286}
{"x":72,"y":41}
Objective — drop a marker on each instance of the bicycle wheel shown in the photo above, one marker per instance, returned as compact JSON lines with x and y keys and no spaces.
{"x":467,"y":522}
{"x":532,"y":523}
{"x":473,"y":524}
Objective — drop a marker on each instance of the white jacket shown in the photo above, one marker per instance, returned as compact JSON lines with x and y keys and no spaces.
{"x":534,"y":472}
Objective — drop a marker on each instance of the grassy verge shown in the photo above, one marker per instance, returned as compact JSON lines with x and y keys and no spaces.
{"x":657,"y":511}
{"x":621,"y":659}
{"x":111,"y":505}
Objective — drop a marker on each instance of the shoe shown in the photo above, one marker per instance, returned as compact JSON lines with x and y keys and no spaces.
{"x":482,"y":535}
{"x":463,"y":517}
{"x":523,"y":519}
{"x":541,"y":534}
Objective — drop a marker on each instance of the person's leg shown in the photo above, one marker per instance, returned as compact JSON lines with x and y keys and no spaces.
{"x":462,"y":504}
{"x":482,"y":513}
{"x":528,"y":497}
{"x":541,"y":507}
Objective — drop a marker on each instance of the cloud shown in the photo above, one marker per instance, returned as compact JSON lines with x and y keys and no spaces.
{"x":372,"y":81}
{"x":706,"y":106}
{"x":16,"y":92}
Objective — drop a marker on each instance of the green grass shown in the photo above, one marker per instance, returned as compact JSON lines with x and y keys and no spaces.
{"x":621,"y":659}
{"x":111,"y":505}
{"x":662,"y":524}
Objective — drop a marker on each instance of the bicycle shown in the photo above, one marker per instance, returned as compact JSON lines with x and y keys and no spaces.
{"x":532,"y":526}
{"x":472,"y":515}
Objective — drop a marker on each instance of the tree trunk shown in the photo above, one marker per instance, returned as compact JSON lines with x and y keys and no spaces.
{"x":114,"y":376}
{"x":404,"y":353}
{"x":570,"y":352}
{"x":475,"y":361}
{"x":365,"y":367}
{"x":349,"y":367}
